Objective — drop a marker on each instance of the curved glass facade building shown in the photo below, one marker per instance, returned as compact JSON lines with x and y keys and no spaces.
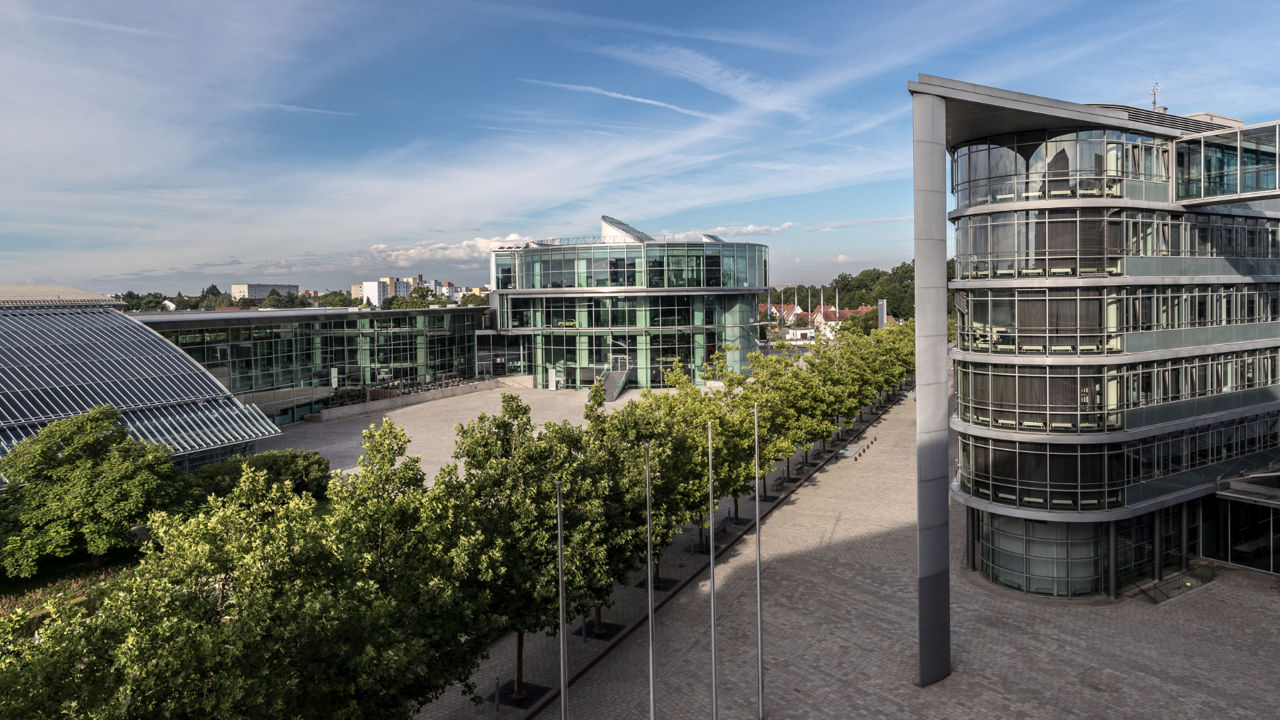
{"x":65,"y":351}
{"x":1117,"y":351}
{"x":628,"y":303}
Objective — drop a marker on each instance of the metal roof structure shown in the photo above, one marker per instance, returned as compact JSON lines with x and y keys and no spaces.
{"x":65,"y":351}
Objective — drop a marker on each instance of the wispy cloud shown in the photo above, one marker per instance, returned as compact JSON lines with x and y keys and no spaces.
{"x":95,"y":24}
{"x":734,"y":231}
{"x":755,"y":40}
{"x":743,"y":87}
{"x":832,"y":226}
{"x":285,"y":107}
{"x":621,"y":96}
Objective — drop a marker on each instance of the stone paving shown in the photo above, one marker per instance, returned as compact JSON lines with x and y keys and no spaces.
{"x":430,"y":425}
{"x":840,"y":624}
{"x":840,"y":627}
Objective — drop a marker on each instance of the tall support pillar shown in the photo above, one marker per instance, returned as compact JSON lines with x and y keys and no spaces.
{"x":970,"y":538}
{"x":1157,"y":546}
{"x":1183,"y":536}
{"x":929,"y":148}
{"x":1112,"y":555}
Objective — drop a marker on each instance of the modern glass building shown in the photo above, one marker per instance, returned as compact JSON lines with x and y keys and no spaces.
{"x":573,"y":309}
{"x":65,"y":351}
{"x":1117,"y":361}
{"x":292,"y":363}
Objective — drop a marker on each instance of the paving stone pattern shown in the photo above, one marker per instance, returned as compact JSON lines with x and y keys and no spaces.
{"x":840,"y":627}
{"x":840,"y":623}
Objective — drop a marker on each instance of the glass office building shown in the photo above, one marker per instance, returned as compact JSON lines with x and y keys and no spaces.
{"x":573,"y":309}
{"x":1117,"y":361}
{"x":292,"y":363}
{"x":65,"y":351}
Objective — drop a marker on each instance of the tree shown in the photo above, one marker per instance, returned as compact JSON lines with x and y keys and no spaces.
{"x":262,"y":605}
{"x":80,"y":484}
{"x":275,"y":301}
{"x":499,"y":511}
{"x":472,"y":299}
{"x":302,"y":470}
{"x":336,"y":298}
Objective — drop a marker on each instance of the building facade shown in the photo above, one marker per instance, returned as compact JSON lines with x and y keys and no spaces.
{"x":624,"y":302}
{"x":292,"y":363}
{"x":1117,"y":360}
{"x":260,"y":291}
{"x":65,"y":351}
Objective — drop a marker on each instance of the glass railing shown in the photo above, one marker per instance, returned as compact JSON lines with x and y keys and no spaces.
{"x":1236,"y":162}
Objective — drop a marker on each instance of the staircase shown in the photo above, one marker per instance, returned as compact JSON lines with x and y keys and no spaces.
{"x":1178,"y":583}
{"x":615,"y":381}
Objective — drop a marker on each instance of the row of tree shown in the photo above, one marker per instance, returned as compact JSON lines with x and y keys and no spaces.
{"x":897,"y":286}
{"x":269,"y":603}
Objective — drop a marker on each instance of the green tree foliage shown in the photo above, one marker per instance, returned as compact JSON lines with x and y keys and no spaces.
{"x":499,"y":507}
{"x":472,"y":299}
{"x":80,"y":484}
{"x":302,"y":470}
{"x":261,"y":605}
{"x":897,"y":286}
{"x":337,"y":298}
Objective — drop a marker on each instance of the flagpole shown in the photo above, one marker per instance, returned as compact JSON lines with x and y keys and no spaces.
{"x":648,"y":515}
{"x":711,"y":495}
{"x":755,"y":417}
{"x":564,"y":644}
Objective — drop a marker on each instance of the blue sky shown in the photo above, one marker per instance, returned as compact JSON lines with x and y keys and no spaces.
{"x":171,"y":144}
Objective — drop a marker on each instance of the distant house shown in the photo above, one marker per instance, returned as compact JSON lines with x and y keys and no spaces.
{"x":786,"y":314}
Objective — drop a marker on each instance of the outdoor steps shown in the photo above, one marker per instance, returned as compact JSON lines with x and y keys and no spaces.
{"x":614,"y":383}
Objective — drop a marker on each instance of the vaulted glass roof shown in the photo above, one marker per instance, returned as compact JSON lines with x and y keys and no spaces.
{"x":57,"y":361}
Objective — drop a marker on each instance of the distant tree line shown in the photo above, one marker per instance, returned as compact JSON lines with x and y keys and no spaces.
{"x":268,"y":601}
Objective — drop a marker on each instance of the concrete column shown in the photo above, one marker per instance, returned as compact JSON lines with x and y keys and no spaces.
{"x":1112,"y":555}
{"x":1157,"y":546}
{"x":970,"y":538}
{"x":1183,"y":537}
{"x":929,"y":148}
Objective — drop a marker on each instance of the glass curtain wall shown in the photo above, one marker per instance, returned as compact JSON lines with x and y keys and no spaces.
{"x":293,"y":368}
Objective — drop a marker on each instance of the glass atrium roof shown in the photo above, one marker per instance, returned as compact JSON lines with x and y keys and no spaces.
{"x":57,"y":361}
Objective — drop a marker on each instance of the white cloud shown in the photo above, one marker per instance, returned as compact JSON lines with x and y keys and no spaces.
{"x":832,"y":226}
{"x":620,"y":96}
{"x":424,"y":252}
{"x":734,"y":231}
{"x":745,"y":88}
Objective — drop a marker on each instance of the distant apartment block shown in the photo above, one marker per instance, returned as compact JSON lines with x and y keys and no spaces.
{"x":260,"y":291}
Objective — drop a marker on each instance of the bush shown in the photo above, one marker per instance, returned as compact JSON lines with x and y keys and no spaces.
{"x":303,"y":470}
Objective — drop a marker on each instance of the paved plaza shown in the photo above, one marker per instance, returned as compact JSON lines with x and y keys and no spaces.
{"x":430,"y":425}
{"x":840,"y":627}
{"x":840,"y":624}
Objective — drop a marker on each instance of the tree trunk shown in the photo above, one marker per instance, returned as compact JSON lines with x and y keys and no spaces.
{"x":517,"y":687}
{"x":788,"y":478}
{"x":736,"y":518}
{"x":597,"y":625}
{"x":95,"y":561}
{"x":702,"y":534}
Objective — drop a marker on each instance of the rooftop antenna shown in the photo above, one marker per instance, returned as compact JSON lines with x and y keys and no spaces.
{"x":1155,"y":96}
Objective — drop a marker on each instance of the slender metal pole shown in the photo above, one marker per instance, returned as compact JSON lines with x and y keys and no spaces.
{"x":711,"y":495}
{"x":755,"y":418}
{"x":564,"y":643}
{"x":648,"y":519}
